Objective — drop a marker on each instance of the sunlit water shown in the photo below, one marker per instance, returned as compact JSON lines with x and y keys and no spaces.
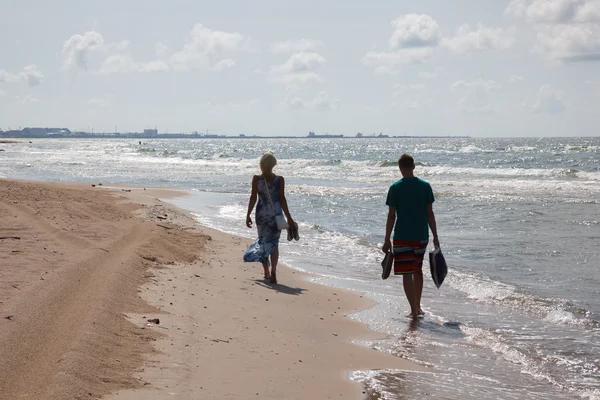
{"x":519,"y":314}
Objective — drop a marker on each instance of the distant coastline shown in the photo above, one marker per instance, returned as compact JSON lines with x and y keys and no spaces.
{"x":62,"y":133}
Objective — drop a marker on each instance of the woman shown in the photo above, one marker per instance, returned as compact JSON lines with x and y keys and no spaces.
{"x":267,"y":244}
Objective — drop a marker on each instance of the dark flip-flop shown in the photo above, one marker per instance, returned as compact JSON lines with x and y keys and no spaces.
{"x":292,"y":232}
{"x":386,"y":265}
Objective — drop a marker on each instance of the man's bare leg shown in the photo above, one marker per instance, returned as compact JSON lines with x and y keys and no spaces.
{"x":418,"y":282}
{"x":409,"y":291}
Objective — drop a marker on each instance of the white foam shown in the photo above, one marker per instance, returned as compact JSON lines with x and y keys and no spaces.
{"x":562,"y":317}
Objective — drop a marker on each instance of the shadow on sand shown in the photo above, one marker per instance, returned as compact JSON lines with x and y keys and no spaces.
{"x":279,"y":287}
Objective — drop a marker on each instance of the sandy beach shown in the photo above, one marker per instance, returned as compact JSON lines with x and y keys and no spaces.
{"x":112,"y":293}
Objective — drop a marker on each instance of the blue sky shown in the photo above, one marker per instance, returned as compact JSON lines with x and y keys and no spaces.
{"x":480,"y":68}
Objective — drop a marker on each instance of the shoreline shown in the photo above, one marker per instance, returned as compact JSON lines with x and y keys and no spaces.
{"x":290,"y":339}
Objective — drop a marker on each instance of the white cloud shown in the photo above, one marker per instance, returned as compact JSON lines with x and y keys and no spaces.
{"x":555,"y":11}
{"x":223,"y":64}
{"x":76,"y":49}
{"x":152,"y":66}
{"x":293,"y":46}
{"x":29,"y":99}
{"x":570,"y":43}
{"x":467,"y":40}
{"x":412,"y":41}
{"x":567,"y":30}
{"x":516,"y":79}
{"x":549,"y":101}
{"x":124,"y":64}
{"x":117,"y":63}
{"x":207,"y":48}
{"x":294,"y":102}
{"x":480,"y":84}
{"x":2,"y":92}
{"x":475,"y":96}
{"x":30,"y":73}
{"x":204,"y":48}
{"x":324,"y":102}
{"x":413,"y":30}
{"x":589,"y":11}
{"x":6,"y":76}
{"x":390,"y":62}
{"x":300,"y":62}
{"x":321,"y":102}
{"x":111,"y":57}
{"x":298,"y":68}
{"x":161,"y":49}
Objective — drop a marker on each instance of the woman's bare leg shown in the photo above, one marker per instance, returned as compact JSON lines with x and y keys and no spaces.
{"x":274,"y":260}
{"x":266,"y":268}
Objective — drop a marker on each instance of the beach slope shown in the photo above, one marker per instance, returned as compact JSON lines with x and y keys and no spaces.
{"x":84,"y":270}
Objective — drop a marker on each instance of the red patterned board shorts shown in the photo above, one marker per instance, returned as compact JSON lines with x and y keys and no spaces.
{"x":408,"y":256}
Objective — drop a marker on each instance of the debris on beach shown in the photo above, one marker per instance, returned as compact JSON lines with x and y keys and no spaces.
{"x":149,"y":258}
{"x":154,"y":321}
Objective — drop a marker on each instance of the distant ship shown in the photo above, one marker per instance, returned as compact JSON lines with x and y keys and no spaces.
{"x":313,"y":135}
{"x":380,"y":136}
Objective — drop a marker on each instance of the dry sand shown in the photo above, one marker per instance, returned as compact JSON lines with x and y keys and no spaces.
{"x":91,"y":266}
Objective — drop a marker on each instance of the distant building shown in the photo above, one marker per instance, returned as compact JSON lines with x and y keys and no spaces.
{"x":150,"y":132}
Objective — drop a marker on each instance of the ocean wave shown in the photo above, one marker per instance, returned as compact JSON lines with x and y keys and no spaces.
{"x":556,"y":311}
{"x":520,"y":149}
{"x":532,"y":364}
{"x":579,"y":148}
{"x":388,"y":163}
{"x":510,"y":172}
{"x":146,"y":150}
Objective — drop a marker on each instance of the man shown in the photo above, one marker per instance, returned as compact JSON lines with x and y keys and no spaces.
{"x":410,"y":202}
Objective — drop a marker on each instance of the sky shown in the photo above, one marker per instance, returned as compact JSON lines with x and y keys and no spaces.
{"x":488,"y":68}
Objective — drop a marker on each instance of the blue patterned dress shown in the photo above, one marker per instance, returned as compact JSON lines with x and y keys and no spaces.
{"x":268,"y":234}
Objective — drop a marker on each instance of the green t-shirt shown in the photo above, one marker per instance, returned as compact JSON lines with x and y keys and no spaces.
{"x":410,"y":197}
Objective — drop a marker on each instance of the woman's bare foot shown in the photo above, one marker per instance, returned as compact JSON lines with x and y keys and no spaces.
{"x":267,"y":274}
{"x":273,"y":277}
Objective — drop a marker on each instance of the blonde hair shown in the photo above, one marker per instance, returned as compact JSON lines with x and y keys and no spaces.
{"x":267,"y":162}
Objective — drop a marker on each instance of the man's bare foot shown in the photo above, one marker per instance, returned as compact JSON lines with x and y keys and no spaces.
{"x":421,"y":312}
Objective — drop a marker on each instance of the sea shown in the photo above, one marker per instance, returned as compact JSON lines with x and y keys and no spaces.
{"x":518,"y":316}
